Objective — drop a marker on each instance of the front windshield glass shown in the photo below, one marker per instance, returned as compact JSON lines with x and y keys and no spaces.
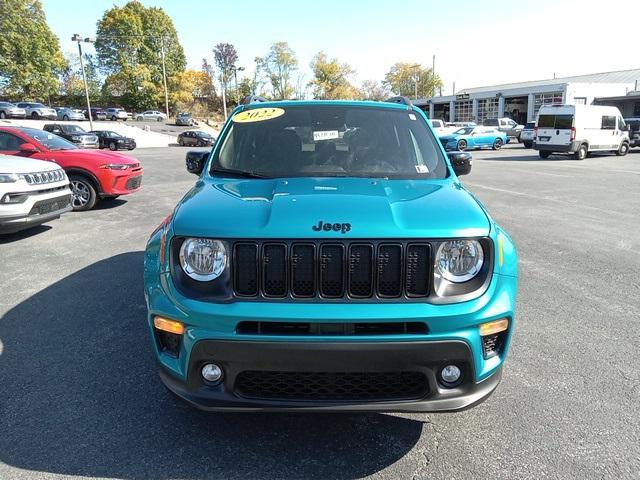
{"x":37,"y":105}
{"x":73,"y":129}
{"x":331,"y":141}
{"x":464,"y":131}
{"x":49,"y":140}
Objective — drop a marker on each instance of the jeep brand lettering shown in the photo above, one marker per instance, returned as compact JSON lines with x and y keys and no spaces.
{"x":336,"y":227}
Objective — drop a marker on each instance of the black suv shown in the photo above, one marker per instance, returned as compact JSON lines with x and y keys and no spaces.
{"x":113,"y":140}
{"x":73,"y":133}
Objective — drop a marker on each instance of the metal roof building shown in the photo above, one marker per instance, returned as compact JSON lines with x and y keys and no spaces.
{"x":521,"y":101}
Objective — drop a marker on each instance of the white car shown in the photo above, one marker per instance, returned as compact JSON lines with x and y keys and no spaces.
{"x":151,"y":115}
{"x":36,"y":111}
{"x":116,"y":114}
{"x":440,"y":127}
{"x":32,"y":192}
{"x":579,"y":130}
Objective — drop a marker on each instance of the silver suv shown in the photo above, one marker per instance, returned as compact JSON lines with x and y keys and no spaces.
{"x":506,"y":125}
{"x":37,"y":110}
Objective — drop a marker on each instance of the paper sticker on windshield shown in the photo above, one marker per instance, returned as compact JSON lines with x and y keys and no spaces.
{"x":257,"y":115}
{"x":325,"y":135}
{"x":422,"y":169}
{"x":412,"y":116}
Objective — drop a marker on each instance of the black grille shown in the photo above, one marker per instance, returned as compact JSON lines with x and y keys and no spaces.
{"x":51,"y":205}
{"x":303,"y":274}
{"x":331,"y":268}
{"x":274,"y":270}
{"x":331,"y":386}
{"x":390,"y":270}
{"x":333,"y":328}
{"x":492,"y":344}
{"x":246,"y":269}
{"x":358,"y":269}
{"x":418,"y":270}
{"x":134,"y":183}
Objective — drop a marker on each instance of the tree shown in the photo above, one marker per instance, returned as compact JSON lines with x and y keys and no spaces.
{"x":129,"y":44}
{"x":226,"y":57}
{"x":278,"y":65}
{"x":402,"y":78}
{"x":374,"y":90}
{"x":330,"y":80}
{"x":72,"y":84}
{"x":30,"y":56}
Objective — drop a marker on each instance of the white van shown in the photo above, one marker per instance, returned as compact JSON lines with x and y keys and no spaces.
{"x":580,"y":129}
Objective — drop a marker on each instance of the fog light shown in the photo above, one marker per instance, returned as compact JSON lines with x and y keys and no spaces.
{"x":450,"y":375}
{"x":211,"y":372}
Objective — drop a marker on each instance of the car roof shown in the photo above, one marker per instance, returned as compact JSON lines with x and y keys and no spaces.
{"x":313,"y":103}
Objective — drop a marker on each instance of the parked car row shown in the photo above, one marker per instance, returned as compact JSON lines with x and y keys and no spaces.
{"x":93,"y":175}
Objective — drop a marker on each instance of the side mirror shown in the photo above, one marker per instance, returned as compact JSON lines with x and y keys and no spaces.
{"x":28,"y":148}
{"x":195,"y":161}
{"x":461,"y":162}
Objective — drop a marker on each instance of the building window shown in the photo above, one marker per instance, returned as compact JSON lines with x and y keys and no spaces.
{"x":464,"y":111}
{"x":552,"y":98}
{"x":487,"y":108}
{"x":580,"y":100}
{"x":636,"y":109}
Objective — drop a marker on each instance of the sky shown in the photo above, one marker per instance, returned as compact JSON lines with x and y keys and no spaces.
{"x":476,"y":43}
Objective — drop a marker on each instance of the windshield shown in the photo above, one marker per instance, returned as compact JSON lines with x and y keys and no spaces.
{"x":464,"y":131}
{"x":36,"y":105}
{"x":49,"y":140}
{"x":73,"y":129}
{"x":330,"y":141}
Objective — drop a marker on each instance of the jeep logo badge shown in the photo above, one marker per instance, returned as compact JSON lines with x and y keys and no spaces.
{"x":327,"y":227}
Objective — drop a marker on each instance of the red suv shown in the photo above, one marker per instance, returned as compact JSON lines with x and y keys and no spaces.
{"x":93,"y":174}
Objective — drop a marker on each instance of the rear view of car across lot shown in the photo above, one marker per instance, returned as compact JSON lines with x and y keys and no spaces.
{"x":94,"y":174}
{"x":32,"y":192}
{"x":527,"y":134}
{"x":115,"y":114}
{"x":68,"y":113}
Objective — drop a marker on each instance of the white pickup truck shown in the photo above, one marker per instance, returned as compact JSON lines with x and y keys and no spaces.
{"x":32,"y":192}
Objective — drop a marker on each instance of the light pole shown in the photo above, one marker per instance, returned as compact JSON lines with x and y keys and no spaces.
{"x":79,"y":40}
{"x":416,"y":66}
{"x":235,"y":76}
{"x":164,"y":79}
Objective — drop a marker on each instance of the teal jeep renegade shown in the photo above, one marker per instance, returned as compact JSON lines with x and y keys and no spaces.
{"x":328,"y":258}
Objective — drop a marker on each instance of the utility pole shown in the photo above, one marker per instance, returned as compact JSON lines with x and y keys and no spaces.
{"x":433,"y":74}
{"x":76,"y":38}
{"x":224,"y":96}
{"x":164,"y":79}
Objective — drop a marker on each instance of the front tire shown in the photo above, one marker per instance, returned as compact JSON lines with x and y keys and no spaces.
{"x":83,"y":193}
{"x":112,"y":146}
{"x":497,"y":144}
{"x":462,"y":145}
{"x":581,"y":153}
{"x":35,"y":116}
{"x":113,"y":118}
{"x":543,"y":154}
{"x":528,"y":144}
{"x":3,"y":115}
{"x":623,"y":150}
{"x":65,"y":118}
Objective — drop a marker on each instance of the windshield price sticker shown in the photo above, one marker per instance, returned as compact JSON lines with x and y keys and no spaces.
{"x":325,"y":135}
{"x":257,"y":115}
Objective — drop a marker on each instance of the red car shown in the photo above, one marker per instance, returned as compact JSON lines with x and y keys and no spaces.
{"x":93,"y":174}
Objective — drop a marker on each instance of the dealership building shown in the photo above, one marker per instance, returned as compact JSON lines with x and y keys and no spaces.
{"x":521,"y":101}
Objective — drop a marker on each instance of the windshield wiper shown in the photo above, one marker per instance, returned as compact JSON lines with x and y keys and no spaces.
{"x":238,"y":173}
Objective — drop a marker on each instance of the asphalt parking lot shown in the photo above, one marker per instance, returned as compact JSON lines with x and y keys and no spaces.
{"x":79,"y":394}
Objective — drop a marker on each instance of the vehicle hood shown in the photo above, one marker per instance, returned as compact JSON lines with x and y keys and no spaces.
{"x":446,"y":138}
{"x":98,"y":156}
{"x":288,"y":208}
{"x":11,"y":164}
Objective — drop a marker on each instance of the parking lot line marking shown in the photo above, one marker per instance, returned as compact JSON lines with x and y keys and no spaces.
{"x":549,"y":199}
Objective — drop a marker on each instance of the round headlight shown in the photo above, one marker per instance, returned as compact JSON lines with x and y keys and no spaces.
{"x":203,"y":259}
{"x":459,"y":260}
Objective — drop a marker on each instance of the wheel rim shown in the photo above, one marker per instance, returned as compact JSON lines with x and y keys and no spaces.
{"x":80,"y":194}
{"x":624,"y":148}
{"x":112,"y":146}
{"x":462,"y":145}
{"x":3,"y":115}
{"x":498,"y":143}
